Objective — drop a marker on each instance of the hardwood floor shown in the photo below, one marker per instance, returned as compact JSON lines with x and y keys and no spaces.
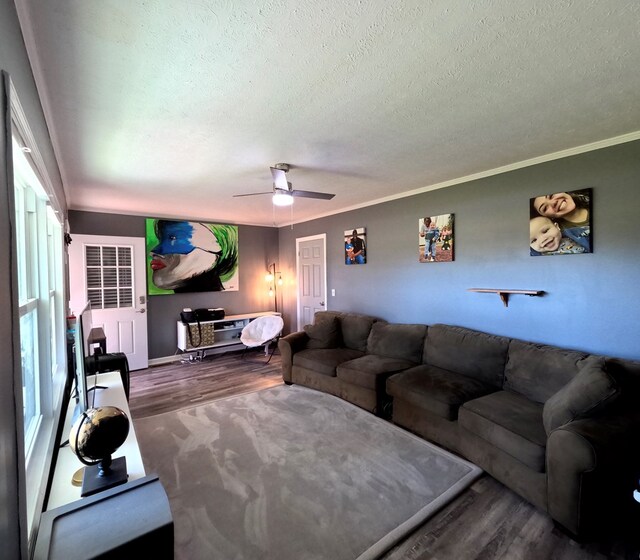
{"x":490,"y":522}
{"x":175,"y":386}
{"x":486,"y":522}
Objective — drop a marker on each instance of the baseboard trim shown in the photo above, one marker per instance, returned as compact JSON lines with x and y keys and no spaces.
{"x":165,"y":360}
{"x":208,"y":352}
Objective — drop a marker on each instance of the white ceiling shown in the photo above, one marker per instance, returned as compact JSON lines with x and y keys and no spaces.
{"x":168,"y":108}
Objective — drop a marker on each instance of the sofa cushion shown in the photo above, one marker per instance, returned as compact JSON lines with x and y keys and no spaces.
{"x":468,"y":352}
{"x":509,"y":422}
{"x":397,"y":341}
{"x":323,"y":334}
{"x":366,"y":371}
{"x":538,"y":371}
{"x":626,"y":374}
{"x":355,"y":330}
{"x":324,"y":360}
{"x":590,"y":391}
{"x":436,"y":390}
{"x":322,"y":315}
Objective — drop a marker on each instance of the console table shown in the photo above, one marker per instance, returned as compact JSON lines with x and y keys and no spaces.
{"x":62,"y":491}
{"x":216,"y":334}
{"x":132,"y":520}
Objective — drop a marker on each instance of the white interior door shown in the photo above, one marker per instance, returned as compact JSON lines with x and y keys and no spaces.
{"x":312,"y":277}
{"x":110,"y":273}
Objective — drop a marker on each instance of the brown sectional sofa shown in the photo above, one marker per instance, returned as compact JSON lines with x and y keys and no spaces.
{"x":559,"y":427}
{"x":351,"y":356}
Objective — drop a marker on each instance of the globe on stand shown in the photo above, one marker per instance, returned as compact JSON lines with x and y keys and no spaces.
{"x":94,"y":437}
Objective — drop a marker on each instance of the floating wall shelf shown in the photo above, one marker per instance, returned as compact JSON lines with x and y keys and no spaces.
{"x":504,"y":294}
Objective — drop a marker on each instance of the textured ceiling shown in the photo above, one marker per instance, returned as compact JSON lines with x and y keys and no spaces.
{"x":169,"y":108}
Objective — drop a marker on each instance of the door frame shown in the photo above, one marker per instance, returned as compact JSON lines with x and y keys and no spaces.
{"x":323,"y":237}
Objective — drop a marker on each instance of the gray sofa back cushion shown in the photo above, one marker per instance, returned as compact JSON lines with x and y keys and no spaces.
{"x":538,"y":371}
{"x":324,"y":333}
{"x":355,"y":330}
{"x":471,"y":353}
{"x":626,"y":374}
{"x":397,"y":341}
{"x":322,"y":316}
{"x":589,"y":392}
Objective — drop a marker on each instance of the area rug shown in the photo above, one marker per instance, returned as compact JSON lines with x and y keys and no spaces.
{"x":290,"y":473}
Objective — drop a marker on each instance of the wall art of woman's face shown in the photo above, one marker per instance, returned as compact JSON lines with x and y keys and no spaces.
{"x":188,"y":256}
{"x":185,"y":250}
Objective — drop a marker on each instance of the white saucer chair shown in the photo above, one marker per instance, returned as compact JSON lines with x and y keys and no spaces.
{"x":261,"y":332}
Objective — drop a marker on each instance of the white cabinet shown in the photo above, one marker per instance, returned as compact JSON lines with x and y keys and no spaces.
{"x":112,"y":394}
{"x":215,"y":334}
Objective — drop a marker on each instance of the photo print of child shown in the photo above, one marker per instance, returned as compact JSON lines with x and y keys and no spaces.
{"x":355,"y":248}
{"x":435,"y":238}
{"x":560,"y":223}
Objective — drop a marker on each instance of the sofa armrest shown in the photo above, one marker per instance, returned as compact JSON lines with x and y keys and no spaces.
{"x":288,"y":346}
{"x":591,"y":468}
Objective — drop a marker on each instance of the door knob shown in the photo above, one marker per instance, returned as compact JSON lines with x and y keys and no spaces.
{"x":322,"y":303}
{"x":143,"y":310}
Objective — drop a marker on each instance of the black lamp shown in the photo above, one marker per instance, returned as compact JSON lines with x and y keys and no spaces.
{"x":270,"y":277}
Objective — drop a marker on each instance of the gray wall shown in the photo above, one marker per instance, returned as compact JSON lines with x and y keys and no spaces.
{"x":592,"y":301}
{"x":258,"y":246}
{"x":13,"y":59}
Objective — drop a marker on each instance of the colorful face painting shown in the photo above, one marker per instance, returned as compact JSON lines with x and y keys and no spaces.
{"x":560,"y":223}
{"x":191,"y":257}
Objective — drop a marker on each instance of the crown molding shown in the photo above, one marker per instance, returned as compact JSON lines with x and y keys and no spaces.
{"x":622,"y":139}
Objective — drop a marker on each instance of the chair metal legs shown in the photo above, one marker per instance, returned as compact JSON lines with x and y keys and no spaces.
{"x":275,"y":345}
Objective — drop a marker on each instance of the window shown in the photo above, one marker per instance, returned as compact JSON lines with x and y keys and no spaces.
{"x":109,"y":276}
{"x":39,"y":243}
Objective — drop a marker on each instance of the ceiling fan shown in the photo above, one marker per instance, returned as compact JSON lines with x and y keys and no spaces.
{"x":283,"y":192}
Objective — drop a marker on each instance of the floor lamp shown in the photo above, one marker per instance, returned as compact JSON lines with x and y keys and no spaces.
{"x":270,"y":278}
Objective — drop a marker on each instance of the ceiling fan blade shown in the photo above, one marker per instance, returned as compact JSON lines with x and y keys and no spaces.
{"x":311,"y":194}
{"x":279,"y":178}
{"x":252,"y":194}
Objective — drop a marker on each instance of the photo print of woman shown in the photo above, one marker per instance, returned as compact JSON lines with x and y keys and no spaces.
{"x":355,"y":248}
{"x":435,"y":238}
{"x":560,"y":223}
{"x":191,"y":257}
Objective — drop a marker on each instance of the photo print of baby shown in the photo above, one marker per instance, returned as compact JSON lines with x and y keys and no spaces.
{"x":560,"y":223}
{"x":435,"y":238}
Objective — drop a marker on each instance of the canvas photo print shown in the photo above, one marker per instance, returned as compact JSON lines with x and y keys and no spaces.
{"x":560,"y":223}
{"x":185,"y":256}
{"x":435,"y":238}
{"x":355,"y":247}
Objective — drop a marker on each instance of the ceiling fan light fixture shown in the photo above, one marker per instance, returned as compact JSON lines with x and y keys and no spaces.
{"x":282,"y":199}
{"x":283,"y":191}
